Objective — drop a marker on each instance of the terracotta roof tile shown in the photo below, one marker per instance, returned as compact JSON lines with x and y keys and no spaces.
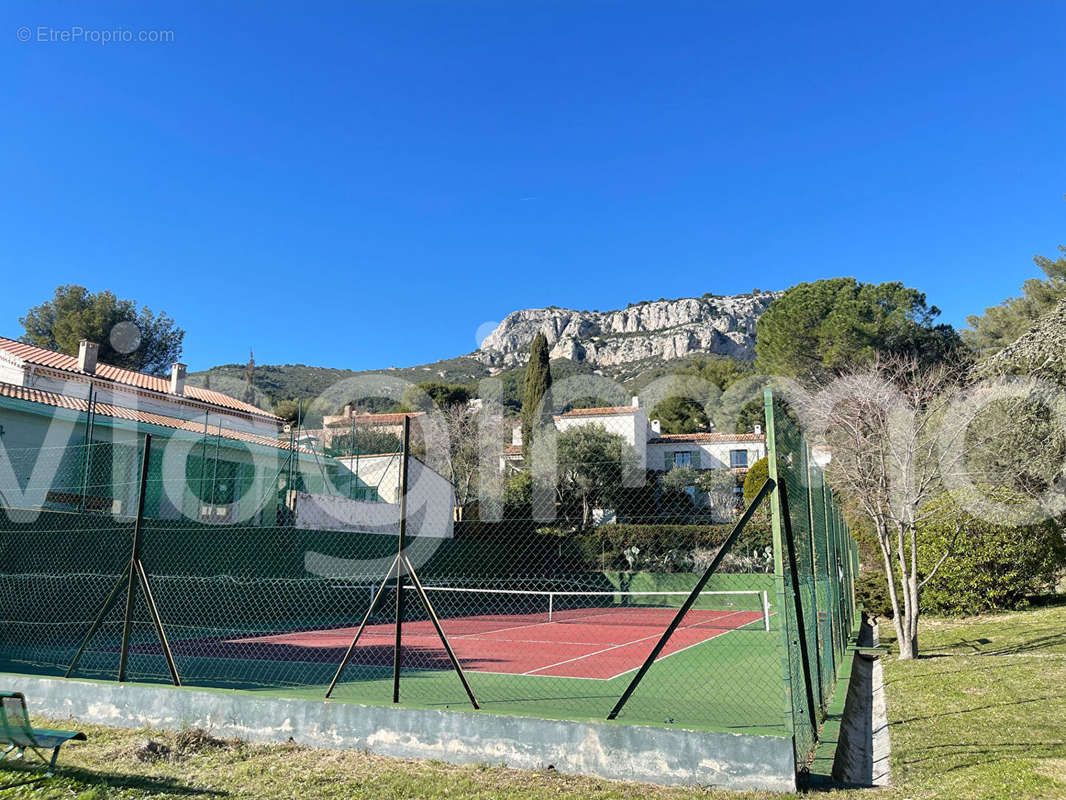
{"x":372,"y":419}
{"x":602,"y":411}
{"x":134,"y":415}
{"x":126,"y":377}
{"x":667,"y":438}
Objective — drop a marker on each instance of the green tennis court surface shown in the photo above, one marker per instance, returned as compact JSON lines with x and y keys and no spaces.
{"x":739,"y":685}
{"x":553,"y":654}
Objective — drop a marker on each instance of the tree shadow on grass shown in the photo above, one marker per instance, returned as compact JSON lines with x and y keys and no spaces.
{"x":977,"y":647}
{"x":989,"y":750}
{"x":1056,"y":639}
{"x":21,"y":775}
{"x":967,"y":670}
{"x":959,"y":711}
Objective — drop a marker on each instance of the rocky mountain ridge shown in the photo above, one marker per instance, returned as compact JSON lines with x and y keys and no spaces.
{"x":627,"y":345}
{"x":660,"y":329}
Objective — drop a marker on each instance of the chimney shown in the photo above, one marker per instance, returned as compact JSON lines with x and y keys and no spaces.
{"x":348,"y":411}
{"x":177,"y":379}
{"x":636,"y":402}
{"x":758,"y":429}
{"x":87,"y":356}
{"x":656,"y":427}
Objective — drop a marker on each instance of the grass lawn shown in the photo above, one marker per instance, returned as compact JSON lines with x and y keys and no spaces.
{"x":981,"y":715}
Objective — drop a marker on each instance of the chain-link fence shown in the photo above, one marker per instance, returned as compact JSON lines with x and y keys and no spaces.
{"x":815,"y":563}
{"x":602,"y":570}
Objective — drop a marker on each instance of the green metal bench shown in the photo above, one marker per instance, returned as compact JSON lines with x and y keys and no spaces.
{"x":16,"y":732}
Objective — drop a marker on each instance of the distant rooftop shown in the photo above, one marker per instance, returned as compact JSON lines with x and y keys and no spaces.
{"x":602,"y":411}
{"x":39,"y":356}
{"x":666,"y":438}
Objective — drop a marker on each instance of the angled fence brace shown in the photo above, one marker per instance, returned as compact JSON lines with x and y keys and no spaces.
{"x":797,"y":601}
{"x":133,"y":574}
{"x":400,"y":563}
{"x":764,"y":490}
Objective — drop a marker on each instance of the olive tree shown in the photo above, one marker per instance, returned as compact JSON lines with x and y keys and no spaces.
{"x":890,"y":434}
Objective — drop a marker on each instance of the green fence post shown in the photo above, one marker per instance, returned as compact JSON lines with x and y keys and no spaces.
{"x":799,"y":711}
{"x":791,"y":723}
{"x":820,"y":583}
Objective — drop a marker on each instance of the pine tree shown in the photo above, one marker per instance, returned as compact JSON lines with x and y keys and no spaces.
{"x":538,"y":382}
{"x":249,"y":379}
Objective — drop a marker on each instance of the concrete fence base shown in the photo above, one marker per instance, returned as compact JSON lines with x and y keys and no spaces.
{"x":864,"y":749}
{"x":625,"y":752}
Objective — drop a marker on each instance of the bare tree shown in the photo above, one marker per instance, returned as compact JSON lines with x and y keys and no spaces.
{"x":720,"y":486}
{"x":468,"y":435}
{"x":891,"y":436}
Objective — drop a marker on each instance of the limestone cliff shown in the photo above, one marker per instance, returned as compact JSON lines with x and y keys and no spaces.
{"x":662,"y":329}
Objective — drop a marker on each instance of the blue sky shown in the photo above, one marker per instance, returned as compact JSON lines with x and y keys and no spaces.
{"x":366,"y":184}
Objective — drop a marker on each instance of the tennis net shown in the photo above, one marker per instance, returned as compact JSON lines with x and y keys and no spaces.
{"x":484,"y":606}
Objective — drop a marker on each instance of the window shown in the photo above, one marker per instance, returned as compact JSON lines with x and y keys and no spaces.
{"x":738,"y":459}
{"x":683,"y":458}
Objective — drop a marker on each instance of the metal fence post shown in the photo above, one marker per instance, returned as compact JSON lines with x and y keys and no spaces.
{"x":401,"y":543}
{"x":135,"y":558}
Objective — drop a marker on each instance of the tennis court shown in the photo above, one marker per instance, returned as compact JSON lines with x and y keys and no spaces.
{"x":548,"y":623}
{"x":575,"y":635}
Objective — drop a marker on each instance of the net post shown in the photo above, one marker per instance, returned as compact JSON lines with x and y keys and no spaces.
{"x":765,"y":610}
{"x":764,"y":490}
{"x":401,"y":543}
{"x":551,"y":604}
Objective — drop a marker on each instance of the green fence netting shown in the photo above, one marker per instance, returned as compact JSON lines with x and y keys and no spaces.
{"x":262,"y":563}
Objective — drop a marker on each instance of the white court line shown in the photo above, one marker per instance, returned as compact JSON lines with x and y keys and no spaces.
{"x":680,"y":650}
{"x":659,"y":629}
{"x":634,"y":641}
{"x":531,"y":674}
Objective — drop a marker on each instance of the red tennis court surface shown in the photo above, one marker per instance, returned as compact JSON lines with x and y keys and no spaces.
{"x":600,"y":645}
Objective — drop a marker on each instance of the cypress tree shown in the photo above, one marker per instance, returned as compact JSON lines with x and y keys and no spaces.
{"x":538,"y":382}
{"x":249,"y":379}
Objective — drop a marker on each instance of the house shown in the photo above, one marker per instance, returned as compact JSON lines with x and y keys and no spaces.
{"x":71,"y":429}
{"x":655,"y":450}
{"x":732,"y":451}
{"x":349,"y":420}
{"x":630,"y":422}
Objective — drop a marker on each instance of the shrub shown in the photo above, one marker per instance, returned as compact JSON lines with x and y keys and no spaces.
{"x":672,"y":548}
{"x":992,"y":566}
{"x":871,"y":592}
{"x":755,"y":478}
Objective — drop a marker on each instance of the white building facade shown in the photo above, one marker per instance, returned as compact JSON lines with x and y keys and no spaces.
{"x":655,"y":450}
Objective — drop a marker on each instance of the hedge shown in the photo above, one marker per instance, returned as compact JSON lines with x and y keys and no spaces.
{"x":992,"y":566}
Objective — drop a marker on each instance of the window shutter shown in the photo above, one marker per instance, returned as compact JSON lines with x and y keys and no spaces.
{"x":696,"y":458}
{"x":669,"y":461}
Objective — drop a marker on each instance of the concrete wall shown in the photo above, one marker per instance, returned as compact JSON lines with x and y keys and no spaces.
{"x":625,"y":752}
{"x":335,"y":513}
{"x":430,"y":498}
{"x":864,"y":749}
